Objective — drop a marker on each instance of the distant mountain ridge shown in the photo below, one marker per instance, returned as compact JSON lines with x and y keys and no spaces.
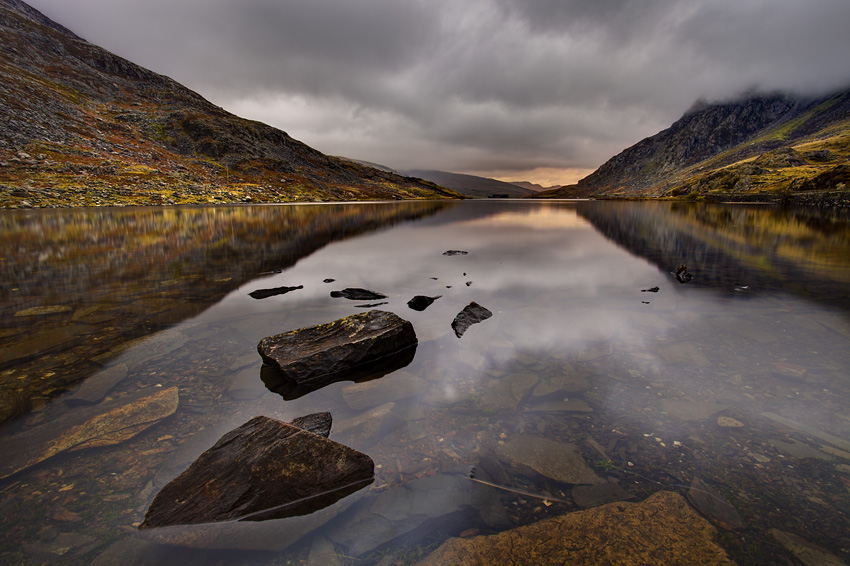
{"x":82,"y":126}
{"x":470,"y":185}
{"x":759,"y":147}
{"x":533,"y":186}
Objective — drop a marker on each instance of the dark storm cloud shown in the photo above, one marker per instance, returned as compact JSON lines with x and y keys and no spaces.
{"x":479,"y":85}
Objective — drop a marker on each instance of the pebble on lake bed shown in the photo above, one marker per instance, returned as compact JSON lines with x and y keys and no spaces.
{"x":729,"y":422}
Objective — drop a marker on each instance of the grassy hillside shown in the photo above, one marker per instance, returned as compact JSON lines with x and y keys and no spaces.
{"x":84,"y":127}
{"x":764,"y":148}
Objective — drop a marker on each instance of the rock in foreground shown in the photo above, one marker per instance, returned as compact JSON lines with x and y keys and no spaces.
{"x":346,"y":349}
{"x":472,"y":313}
{"x":264,"y":469}
{"x":663,"y":529}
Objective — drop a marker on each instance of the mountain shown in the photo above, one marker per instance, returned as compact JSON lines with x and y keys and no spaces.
{"x":533,"y":186}
{"x":470,"y":185}
{"x":371,"y":164}
{"x":82,"y":126}
{"x":760,"y":147}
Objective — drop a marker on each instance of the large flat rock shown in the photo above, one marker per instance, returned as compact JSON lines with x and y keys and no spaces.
{"x":108,"y":423}
{"x":264,"y":469}
{"x":345,"y":349}
{"x":663,"y":529}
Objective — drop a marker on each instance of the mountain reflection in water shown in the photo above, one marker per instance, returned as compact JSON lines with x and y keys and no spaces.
{"x":734,"y":382}
{"x":75,"y":284}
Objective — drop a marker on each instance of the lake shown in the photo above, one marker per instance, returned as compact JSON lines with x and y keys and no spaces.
{"x":633,"y":348}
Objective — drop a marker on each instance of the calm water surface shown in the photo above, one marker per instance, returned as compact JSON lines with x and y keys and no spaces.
{"x":737,"y":378}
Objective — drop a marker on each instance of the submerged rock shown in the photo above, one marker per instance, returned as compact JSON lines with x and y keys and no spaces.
{"x":264,"y":469}
{"x":346,"y":349}
{"x":663,"y":529}
{"x":357,"y":294}
{"x":416,"y":511}
{"x":586,"y":496}
{"x":370,"y":427}
{"x":806,"y":552}
{"x":266,"y":293}
{"x":44,"y":310}
{"x":43,"y":342}
{"x":559,"y":461}
{"x":421,"y":302}
{"x":472,"y":313}
{"x":714,"y":506}
{"x":105,"y":424}
{"x":95,"y":387}
{"x":374,"y":392}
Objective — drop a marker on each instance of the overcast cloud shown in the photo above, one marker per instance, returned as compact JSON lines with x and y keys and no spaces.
{"x":541,"y":90}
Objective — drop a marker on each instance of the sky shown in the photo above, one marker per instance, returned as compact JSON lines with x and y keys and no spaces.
{"x":523,"y":90}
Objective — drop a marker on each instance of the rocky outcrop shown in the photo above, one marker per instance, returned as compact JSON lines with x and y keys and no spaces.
{"x":108,"y":423}
{"x":473,"y":313}
{"x":264,"y":469}
{"x":708,"y":151}
{"x":703,"y":132}
{"x":663,"y":529}
{"x":345,"y":349}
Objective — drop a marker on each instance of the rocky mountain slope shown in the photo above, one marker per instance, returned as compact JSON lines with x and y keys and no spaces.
{"x":470,"y":185}
{"x":82,"y":126}
{"x":761,"y":147}
{"x":534,"y":186}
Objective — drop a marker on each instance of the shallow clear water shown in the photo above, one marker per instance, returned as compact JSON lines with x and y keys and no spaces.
{"x":737,"y":377}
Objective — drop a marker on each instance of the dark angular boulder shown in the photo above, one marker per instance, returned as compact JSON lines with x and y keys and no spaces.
{"x":317,"y":423}
{"x":421,"y":302}
{"x":472,"y":313}
{"x":455,"y":252}
{"x":357,"y":294}
{"x":266,"y":293}
{"x":351,"y":348}
{"x":264,"y":469}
